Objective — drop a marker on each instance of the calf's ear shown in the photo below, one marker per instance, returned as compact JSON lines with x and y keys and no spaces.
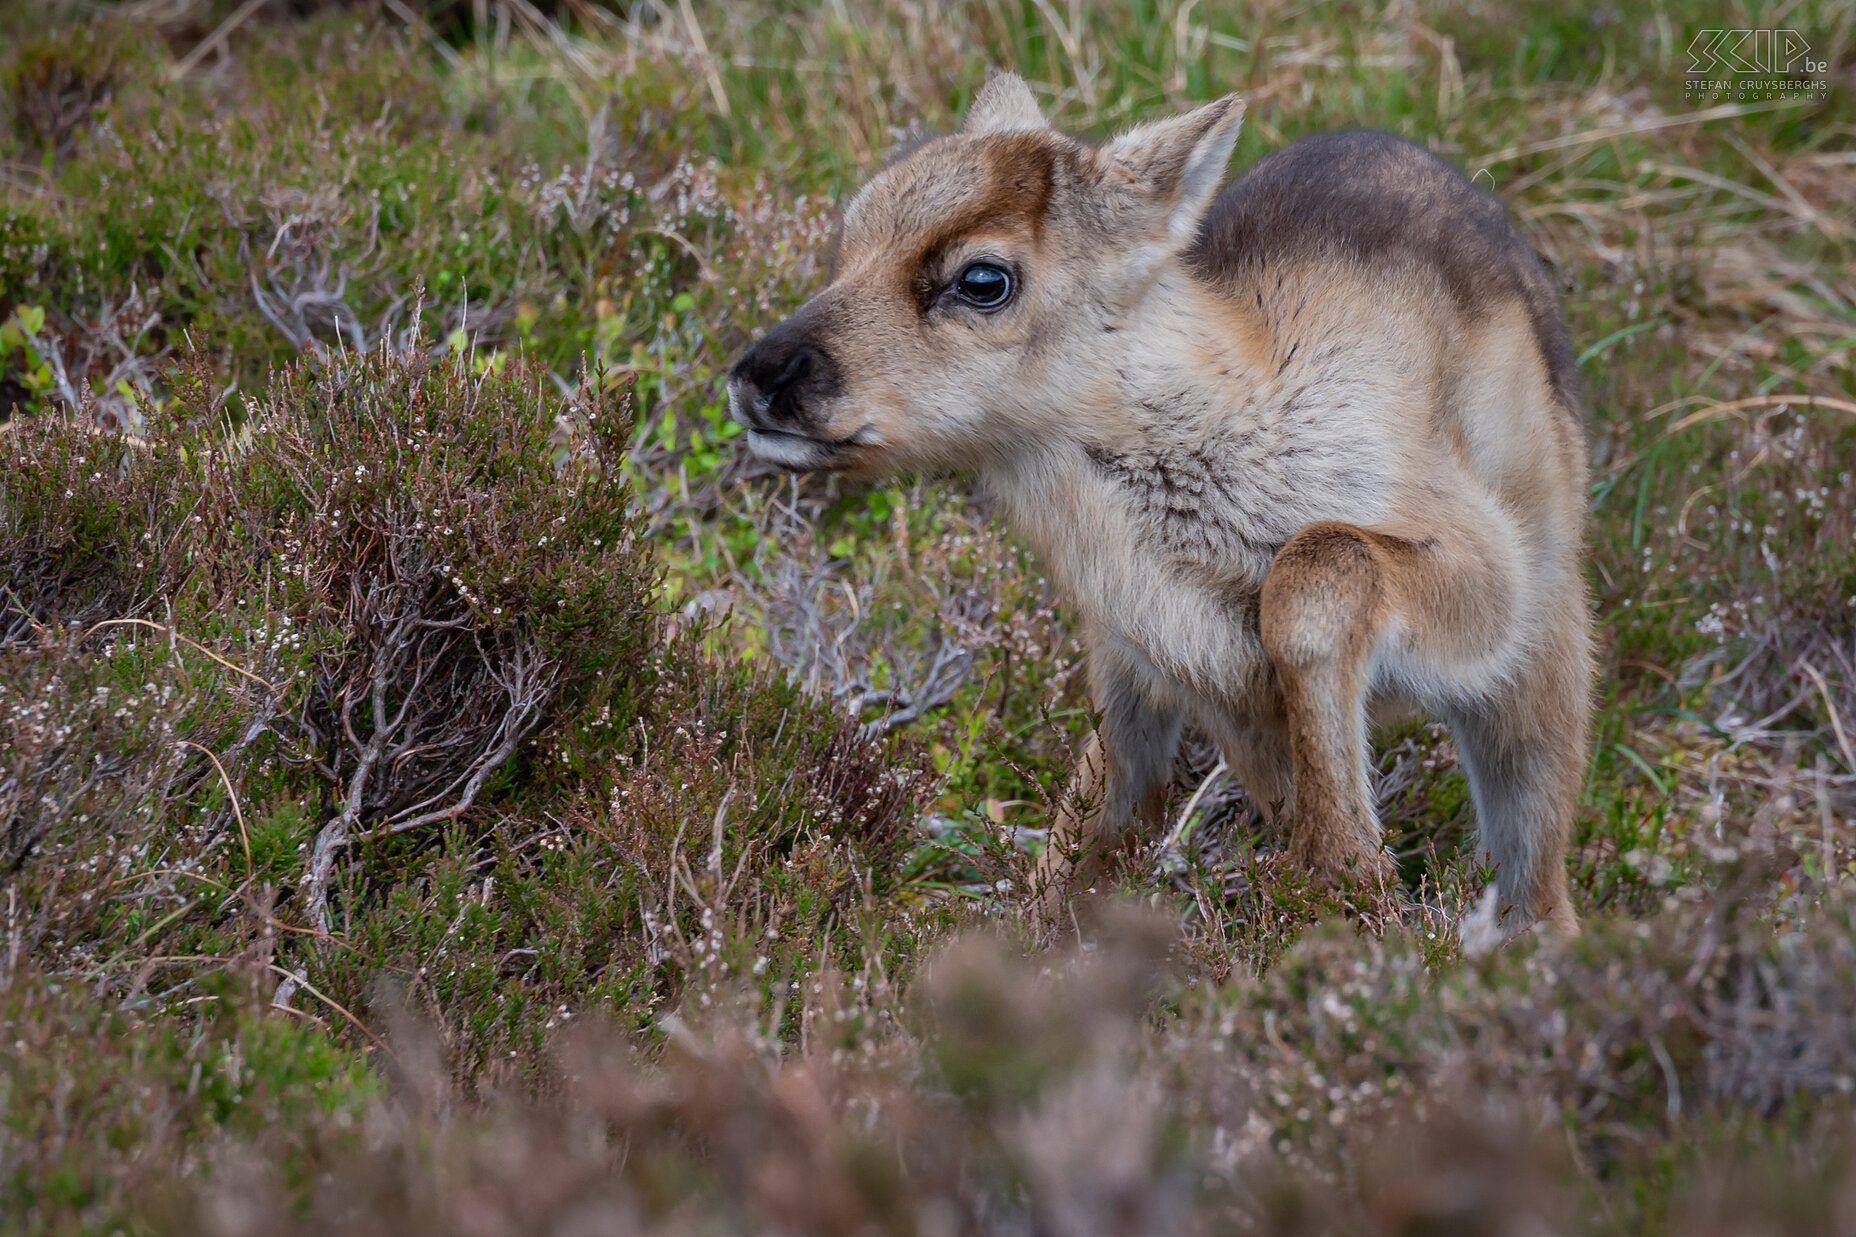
{"x":1004,"y":105}
{"x":1176,"y":165}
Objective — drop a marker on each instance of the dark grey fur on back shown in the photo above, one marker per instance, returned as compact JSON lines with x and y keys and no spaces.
{"x":1376,"y":199}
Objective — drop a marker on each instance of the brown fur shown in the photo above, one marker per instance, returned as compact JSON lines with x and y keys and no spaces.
{"x":1299,"y":455}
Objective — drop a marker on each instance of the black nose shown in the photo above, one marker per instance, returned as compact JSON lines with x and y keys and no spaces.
{"x":770,"y":378}
{"x":789,"y":376}
{"x":781,"y":378}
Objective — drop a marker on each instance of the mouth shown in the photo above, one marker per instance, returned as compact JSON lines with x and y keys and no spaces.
{"x":790,"y":449}
{"x":800,"y":452}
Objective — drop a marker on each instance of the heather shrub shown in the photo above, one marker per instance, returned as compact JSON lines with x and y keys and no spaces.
{"x":1649,"y":1081}
{"x":273,"y":228}
{"x":385,"y":643}
{"x":55,"y":84}
{"x":405,"y":572}
{"x":106,"y":1104}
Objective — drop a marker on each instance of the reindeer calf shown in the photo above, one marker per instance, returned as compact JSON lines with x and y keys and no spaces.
{"x":1299,"y":453}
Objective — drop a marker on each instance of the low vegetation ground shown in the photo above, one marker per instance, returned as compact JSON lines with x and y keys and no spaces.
{"x":444,"y":786}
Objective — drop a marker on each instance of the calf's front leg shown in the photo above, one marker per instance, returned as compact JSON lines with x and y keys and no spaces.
{"x":1123,"y":774}
{"x":1325,"y":603}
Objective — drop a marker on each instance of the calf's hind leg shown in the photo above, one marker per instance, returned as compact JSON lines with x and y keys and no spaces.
{"x":1524,"y":753}
{"x":1331,"y":597}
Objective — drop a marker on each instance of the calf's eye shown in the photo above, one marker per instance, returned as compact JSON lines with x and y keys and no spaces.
{"x":984,"y":285}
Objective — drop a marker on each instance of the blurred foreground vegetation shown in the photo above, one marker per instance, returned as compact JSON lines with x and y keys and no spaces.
{"x":444,"y":787}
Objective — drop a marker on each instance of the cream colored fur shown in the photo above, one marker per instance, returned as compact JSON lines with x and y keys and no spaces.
{"x":1281,"y":501}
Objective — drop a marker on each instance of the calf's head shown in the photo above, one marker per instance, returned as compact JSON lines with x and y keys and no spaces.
{"x":977,"y":285}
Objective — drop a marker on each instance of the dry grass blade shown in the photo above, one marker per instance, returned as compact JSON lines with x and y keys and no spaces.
{"x":1836,"y":718}
{"x":335,"y":1005}
{"x":239,"y":16}
{"x":195,"y":645}
{"x":244,"y":835}
{"x":1794,"y":400}
{"x":1595,"y":137}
